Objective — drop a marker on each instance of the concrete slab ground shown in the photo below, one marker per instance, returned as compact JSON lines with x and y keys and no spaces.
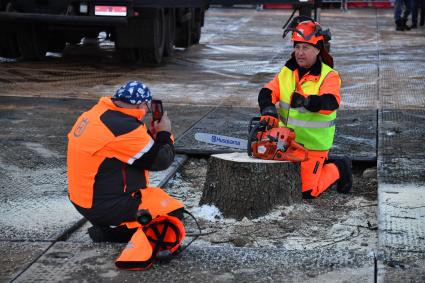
{"x":240,"y":50}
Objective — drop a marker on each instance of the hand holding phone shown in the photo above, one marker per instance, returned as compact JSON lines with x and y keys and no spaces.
{"x":157,"y":110}
{"x":163,"y":125}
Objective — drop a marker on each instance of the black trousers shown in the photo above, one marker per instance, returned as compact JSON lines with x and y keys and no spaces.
{"x":418,"y":8}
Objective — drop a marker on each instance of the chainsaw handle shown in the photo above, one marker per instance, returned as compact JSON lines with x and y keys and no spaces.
{"x":253,"y":129}
{"x":301,"y":148}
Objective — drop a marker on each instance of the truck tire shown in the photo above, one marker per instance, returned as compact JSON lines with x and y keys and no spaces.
{"x":170,"y":32}
{"x":156,"y":35}
{"x":56,"y":43}
{"x":9,"y":46}
{"x":197,"y":21}
{"x":128,"y":55}
{"x":32,"y":43}
{"x":8,"y":43}
{"x":184,"y":28}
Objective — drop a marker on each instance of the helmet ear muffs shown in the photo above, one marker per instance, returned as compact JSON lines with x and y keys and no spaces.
{"x":294,"y":23}
{"x":326,"y":33}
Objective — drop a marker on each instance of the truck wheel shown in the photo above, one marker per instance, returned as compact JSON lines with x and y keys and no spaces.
{"x":32,"y":43}
{"x":56,"y":44}
{"x":196,"y":26}
{"x":9,"y":46}
{"x":156,"y":35}
{"x":128,"y":55}
{"x":196,"y":33}
{"x":184,"y":28}
{"x":170,"y":32}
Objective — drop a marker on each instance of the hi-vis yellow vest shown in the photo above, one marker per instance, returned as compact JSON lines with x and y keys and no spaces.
{"x":314,"y":130}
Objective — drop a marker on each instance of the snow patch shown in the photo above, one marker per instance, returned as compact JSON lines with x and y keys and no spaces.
{"x":207,"y":212}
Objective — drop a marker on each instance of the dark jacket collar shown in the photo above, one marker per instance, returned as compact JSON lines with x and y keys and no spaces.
{"x":315,"y":70}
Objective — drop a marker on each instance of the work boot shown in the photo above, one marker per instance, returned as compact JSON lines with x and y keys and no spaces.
{"x":120,"y":234}
{"x":96,"y":234}
{"x":414,"y":26}
{"x":345,"y":181}
{"x":399,"y":26}
{"x":405,"y":26}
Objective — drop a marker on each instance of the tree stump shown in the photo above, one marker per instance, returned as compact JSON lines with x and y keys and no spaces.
{"x":241,"y":186}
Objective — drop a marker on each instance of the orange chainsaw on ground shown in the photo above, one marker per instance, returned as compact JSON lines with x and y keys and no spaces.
{"x":266,"y":140}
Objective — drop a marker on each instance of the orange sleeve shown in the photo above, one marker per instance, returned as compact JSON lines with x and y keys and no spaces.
{"x":331,"y":85}
{"x":129,"y":147}
{"x":273,"y":85}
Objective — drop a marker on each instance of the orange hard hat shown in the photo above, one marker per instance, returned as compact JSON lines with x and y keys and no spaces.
{"x":307,"y":31}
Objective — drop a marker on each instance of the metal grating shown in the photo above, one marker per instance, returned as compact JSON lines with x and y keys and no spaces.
{"x":17,"y":256}
{"x":73,"y":261}
{"x":359,"y":96}
{"x":32,"y":168}
{"x":395,"y":170}
{"x":226,"y":121}
{"x":402,"y":93}
{"x":401,"y":133}
{"x":401,"y":212}
{"x":355,"y":135}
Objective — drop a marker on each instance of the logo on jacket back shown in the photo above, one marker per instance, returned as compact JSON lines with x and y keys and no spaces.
{"x":80,"y":128}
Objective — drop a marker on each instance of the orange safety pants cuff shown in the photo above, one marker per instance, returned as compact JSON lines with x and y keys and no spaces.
{"x":316,"y":177}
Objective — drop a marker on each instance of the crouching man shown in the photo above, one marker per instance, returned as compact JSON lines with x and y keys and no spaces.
{"x":110,"y":152}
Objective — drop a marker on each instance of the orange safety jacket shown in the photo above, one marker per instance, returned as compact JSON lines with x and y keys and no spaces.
{"x":328,"y":84}
{"x":109,"y":154}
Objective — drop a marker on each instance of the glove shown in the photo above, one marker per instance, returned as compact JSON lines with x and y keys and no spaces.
{"x":269,"y":111}
{"x":311,"y":102}
{"x":269,"y":115}
{"x":297,"y":100}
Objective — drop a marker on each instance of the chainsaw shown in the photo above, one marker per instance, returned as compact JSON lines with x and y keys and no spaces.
{"x":266,"y":140}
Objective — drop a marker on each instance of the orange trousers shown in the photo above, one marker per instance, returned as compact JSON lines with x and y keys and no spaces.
{"x":316,"y":176}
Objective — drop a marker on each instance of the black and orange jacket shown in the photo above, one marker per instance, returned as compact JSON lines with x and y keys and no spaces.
{"x":109,"y":154}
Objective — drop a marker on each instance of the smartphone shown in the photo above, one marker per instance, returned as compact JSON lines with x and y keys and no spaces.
{"x":157,"y":110}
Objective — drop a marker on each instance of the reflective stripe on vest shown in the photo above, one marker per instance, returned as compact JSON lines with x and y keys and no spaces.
{"x":309,"y":124}
{"x":314,"y":130}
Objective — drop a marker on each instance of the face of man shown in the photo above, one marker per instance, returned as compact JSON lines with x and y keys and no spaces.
{"x":305,"y":55}
{"x":145,"y":107}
